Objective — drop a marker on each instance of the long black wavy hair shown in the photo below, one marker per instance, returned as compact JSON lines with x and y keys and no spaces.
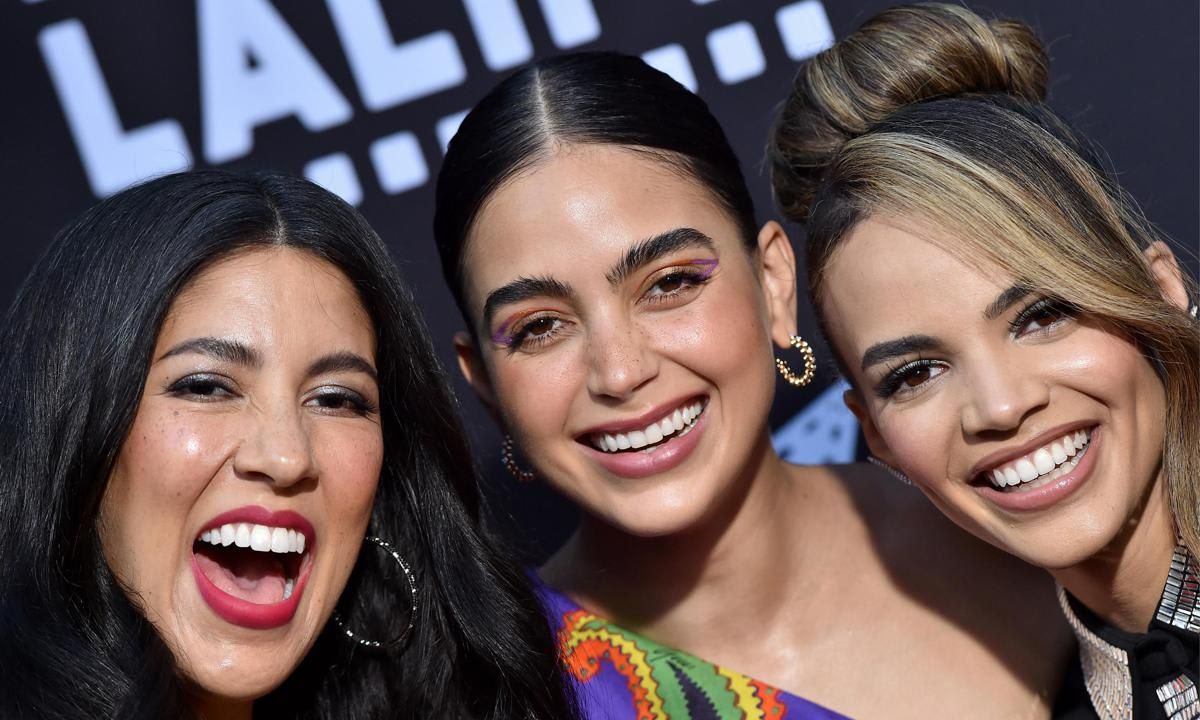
{"x":77,"y":345}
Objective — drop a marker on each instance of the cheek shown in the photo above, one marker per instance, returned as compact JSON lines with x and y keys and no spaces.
{"x":534,"y":393}
{"x":165,"y":464}
{"x":718,"y":337}
{"x":350,"y":465}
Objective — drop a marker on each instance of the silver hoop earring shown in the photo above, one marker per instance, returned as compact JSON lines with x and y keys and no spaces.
{"x":1195,"y":309}
{"x":412,"y":617}
{"x":510,"y":462}
{"x":891,"y":470}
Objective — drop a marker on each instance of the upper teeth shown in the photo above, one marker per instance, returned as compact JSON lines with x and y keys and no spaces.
{"x":1053,"y":459}
{"x":676,"y":422}
{"x":256,"y":537}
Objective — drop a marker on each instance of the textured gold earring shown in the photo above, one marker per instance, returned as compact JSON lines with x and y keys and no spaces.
{"x":810,"y":364}
{"x":510,"y":462}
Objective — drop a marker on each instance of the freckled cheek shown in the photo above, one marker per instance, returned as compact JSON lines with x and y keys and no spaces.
{"x":178,"y":457}
{"x":350,"y":468}
{"x":716,"y":337}
{"x":535,"y":394}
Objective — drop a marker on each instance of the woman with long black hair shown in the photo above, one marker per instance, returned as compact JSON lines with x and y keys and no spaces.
{"x":217,"y":387}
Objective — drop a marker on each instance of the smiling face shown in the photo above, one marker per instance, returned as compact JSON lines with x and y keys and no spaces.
{"x":240,"y":497}
{"x":1035,"y":428}
{"x":625,"y":333}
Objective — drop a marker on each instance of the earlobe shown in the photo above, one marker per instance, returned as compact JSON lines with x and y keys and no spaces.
{"x":1165,"y":268}
{"x":778,"y":277}
{"x":470,"y":364}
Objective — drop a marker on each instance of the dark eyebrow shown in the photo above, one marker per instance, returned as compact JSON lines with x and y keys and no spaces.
{"x":232,"y":351}
{"x":652,"y":248}
{"x":523,"y":289}
{"x":1005,"y":300}
{"x":895,"y":348}
{"x":344,"y":361}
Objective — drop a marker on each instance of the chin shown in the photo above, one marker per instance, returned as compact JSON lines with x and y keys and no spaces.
{"x":659,"y":513}
{"x":1062,"y":545}
{"x":238,"y":675}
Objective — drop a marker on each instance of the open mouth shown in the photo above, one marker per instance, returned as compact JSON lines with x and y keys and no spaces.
{"x":1040,"y":467}
{"x":256,"y":563}
{"x":251,"y":565}
{"x":675,"y":424}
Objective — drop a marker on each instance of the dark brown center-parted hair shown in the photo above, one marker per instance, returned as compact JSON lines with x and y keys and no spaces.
{"x":932,"y":112}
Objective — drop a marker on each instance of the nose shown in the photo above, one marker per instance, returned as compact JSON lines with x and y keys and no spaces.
{"x":619,"y":361}
{"x":1001,"y":394}
{"x":277,"y":448}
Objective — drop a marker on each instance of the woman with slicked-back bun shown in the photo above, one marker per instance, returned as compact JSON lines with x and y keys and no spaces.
{"x":1021,"y":342}
{"x":622,"y":307}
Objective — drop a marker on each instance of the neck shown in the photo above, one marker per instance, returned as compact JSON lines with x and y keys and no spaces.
{"x":1124,"y":582}
{"x":669,"y":586}
{"x":209,"y":707}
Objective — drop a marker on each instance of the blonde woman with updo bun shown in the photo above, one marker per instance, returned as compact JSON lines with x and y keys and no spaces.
{"x":1020,"y":341}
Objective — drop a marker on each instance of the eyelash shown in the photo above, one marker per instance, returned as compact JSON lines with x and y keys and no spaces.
{"x":894,"y":380}
{"x":188,"y":386}
{"x":1061,"y":308}
{"x":690,"y":280}
{"x":891,"y":383}
{"x":519,"y":337}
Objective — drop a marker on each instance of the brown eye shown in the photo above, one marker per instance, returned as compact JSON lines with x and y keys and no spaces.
{"x":917,"y":376}
{"x":541,"y":326}
{"x":1046,"y":317}
{"x":670,"y":283}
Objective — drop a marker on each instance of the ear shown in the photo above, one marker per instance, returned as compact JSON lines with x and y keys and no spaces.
{"x":875,"y":444}
{"x":777,"y":273}
{"x":470,"y":364}
{"x":1166,"y":271}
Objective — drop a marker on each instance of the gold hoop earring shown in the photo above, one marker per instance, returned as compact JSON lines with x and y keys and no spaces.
{"x":810,"y":364}
{"x":510,"y":462}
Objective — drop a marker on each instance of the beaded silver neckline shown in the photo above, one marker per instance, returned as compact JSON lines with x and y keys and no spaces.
{"x":1106,"y":668}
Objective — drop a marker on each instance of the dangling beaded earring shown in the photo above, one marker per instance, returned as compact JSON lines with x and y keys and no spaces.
{"x":891,"y":470}
{"x":810,"y":364}
{"x":510,"y":462}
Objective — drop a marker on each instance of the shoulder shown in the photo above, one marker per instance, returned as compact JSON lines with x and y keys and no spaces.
{"x":981,"y":606}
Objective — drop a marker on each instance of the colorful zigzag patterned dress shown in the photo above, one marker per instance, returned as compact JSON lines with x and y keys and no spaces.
{"x":621,"y":675}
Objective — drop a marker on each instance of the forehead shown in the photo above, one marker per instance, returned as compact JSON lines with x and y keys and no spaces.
{"x":892,"y":277}
{"x":270,"y":295}
{"x":582,"y":207}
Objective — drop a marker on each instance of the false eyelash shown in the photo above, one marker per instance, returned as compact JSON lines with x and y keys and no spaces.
{"x":1031,"y":311}
{"x":514,"y":340}
{"x":690,"y":278}
{"x":891,"y":382}
{"x":183,"y":385}
{"x":358,"y":404}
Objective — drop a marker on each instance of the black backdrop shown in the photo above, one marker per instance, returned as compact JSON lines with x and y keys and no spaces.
{"x":360,"y":94}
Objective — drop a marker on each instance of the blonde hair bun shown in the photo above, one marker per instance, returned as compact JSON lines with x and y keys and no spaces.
{"x":902,"y":55}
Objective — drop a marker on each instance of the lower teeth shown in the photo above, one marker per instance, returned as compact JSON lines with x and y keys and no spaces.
{"x":288,"y":588}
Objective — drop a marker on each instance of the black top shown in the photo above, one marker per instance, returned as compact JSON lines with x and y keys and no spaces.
{"x":1162,"y":664}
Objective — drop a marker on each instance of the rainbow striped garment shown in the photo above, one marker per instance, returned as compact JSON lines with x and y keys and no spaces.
{"x":619,"y":674}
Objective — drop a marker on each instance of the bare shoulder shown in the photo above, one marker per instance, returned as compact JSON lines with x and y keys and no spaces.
{"x":978,"y":606}
{"x":931,"y":556}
